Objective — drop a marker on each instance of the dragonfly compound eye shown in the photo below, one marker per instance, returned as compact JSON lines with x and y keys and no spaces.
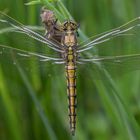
{"x":70,"y":25}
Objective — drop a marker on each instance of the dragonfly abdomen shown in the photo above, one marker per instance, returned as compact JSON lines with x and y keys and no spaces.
{"x":71,"y":91}
{"x":71,"y":87}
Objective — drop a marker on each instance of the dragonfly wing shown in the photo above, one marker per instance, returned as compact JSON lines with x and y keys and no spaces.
{"x":114,"y":64}
{"x":124,"y":30}
{"x":8,"y":24}
{"x":119,"y":55}
{"x":15,"y":53}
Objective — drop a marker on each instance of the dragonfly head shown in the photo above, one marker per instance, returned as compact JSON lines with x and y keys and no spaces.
{"x":70,"y":25}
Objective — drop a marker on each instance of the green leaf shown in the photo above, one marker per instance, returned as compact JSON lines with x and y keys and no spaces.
{"x":33,"y":2}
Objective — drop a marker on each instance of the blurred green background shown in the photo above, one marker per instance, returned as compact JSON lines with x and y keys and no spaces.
{"x":33,"y":99}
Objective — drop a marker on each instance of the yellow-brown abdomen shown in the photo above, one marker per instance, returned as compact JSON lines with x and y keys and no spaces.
{"x":71,"y":91}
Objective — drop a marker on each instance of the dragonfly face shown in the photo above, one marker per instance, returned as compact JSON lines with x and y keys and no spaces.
{"x":70,"y":26}
{"x":63,"y":39}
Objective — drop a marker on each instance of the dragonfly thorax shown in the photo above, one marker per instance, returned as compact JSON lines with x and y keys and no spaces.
{"x":69,"y":39}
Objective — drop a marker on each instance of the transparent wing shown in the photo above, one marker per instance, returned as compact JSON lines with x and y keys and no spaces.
{"x":25,"y":43}
{"x":124,"y":30}
{"x":122,"y":60}
{"x":26,"y":54}
{"x":27,"y":59}
{"x":8,"y":24}
{"x":116,"y":65}
{"x":120,"y":51}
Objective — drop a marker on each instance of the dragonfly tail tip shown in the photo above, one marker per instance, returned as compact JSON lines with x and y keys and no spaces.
{"x":73,"y":132}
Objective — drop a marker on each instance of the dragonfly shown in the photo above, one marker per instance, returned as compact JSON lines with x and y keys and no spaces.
{"x":62,"y":38}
